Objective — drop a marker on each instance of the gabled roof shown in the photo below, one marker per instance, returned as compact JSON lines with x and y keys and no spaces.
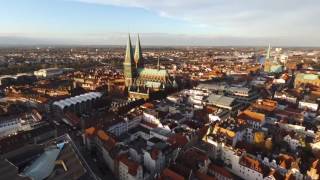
{"x":132,"y":165}
{"x":220,"y":170}
{"x":211,"y":86}
{"x":77,"y":99}
{"x":168,"y":174}
{"x":251,"y":116}
{"x":203,"y":176}
{"x":178,"y":140}
{"x":109,"y":142}
{"x":193,"y":157}
{"x":152,"y":72}
{"x":251,"y":163}
{"x":229,"y":133}
{"x":220,"y":100}
{"x":90,"y":131}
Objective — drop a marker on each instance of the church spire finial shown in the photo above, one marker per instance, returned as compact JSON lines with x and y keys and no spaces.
{"x":138,"y":54}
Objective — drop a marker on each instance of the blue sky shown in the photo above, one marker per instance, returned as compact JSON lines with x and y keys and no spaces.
{"x":165,"y":22}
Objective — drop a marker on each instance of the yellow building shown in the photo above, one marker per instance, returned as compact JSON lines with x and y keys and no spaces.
{"x":302,"y":78}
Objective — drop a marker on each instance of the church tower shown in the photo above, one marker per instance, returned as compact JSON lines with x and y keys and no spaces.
{"x":129,"y":65}
{"x":268,"y":52}
{"x":138,"y":54}
{"x":267,"y":61}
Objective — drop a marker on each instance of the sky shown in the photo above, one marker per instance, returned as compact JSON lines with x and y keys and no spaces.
{"x":161,"y":22}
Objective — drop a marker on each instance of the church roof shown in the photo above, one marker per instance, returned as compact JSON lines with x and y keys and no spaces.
{"x":307,"y":76}
{"x":153,"y":84}
{"x":152,"y":72}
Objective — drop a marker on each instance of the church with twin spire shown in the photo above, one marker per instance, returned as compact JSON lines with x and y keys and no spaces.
{"x":139,"y":80}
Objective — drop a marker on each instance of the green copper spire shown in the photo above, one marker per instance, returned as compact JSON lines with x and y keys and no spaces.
{"x":129,"y":55}
{"x":138,"y":54}
{"x":129,"y":65}
{"x":269,"y":51}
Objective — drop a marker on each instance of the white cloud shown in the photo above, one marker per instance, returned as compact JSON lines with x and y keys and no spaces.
{"x":217,"y":22}
{"x":256,"y":18}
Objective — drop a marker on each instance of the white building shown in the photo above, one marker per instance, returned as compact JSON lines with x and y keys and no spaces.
{"x":293,"y":143}
{"x":129,"y":169}
{"x":151,"y":116}
{"x":154,"y":160}
{"x":50,"y":72}
{"x":124,"y":126}
{"x":256,"y":120}
{"x":11,"y":125}
{"x":313,"y":106}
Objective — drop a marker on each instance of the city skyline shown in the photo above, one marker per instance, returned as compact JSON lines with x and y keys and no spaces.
{"x":207,"y":23}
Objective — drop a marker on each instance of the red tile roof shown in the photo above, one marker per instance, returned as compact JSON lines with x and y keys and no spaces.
{"x":203,"y":176}
{"x":266,"y":104}
{"x":154,"y":153}
{"x":192,"y":157}
{"x":285,"y":160}
{"x":178,"y":140}
{"x":316,"y":165}
{"x":220,"y":170}
{"x":148,"y":105}
{"x":251,"y":163}
{"x":90,"y":131}
{"x":168,"y":174}
{"x":108,"y":141}
{"x":251,"y":116}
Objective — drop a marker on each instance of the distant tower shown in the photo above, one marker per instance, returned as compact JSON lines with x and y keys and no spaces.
{"x":268,"y":52}
{"x":138,"y":54}
{"x":158,"y":64}
{"x":129,"y":65}
{"x":267,"y":61}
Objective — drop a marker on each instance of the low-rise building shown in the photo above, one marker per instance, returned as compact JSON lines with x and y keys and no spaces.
{"x":129,"y":169}
{"x":256,"y":120}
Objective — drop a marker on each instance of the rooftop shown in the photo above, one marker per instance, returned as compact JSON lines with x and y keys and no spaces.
{"x":265,"y":104}
{"x":77,"y":99}
{"x":132,"y":165}
{"x":161,"y":131}
{"x":58,"y":158}
{"x":251,"y":116}
{"x":152,"y":72}
{"x":220,"y":100}
{"x":220,"y":170}
{"x":304,"y":76}
{"x":251,"y":163}
{"x":168,"y":174}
